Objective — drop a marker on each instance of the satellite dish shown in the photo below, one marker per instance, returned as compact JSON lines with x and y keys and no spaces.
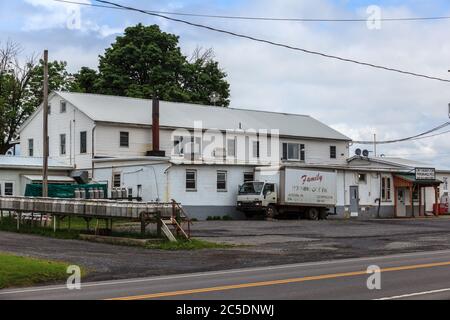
{"x":358,"y":152}
{"x":365,"y":153}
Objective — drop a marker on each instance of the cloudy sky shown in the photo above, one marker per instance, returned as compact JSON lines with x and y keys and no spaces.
{"x":356,"y":100}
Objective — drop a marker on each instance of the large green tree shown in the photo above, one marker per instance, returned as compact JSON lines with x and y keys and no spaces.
{"x":58,"y":80}
{"x":85,"y":81}
{"x":146,"y":62}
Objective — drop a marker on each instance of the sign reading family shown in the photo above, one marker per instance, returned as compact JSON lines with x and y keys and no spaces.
{"x":425,"y":174}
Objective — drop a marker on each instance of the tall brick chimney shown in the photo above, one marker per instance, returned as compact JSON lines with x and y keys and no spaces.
{"x":155,"y":131}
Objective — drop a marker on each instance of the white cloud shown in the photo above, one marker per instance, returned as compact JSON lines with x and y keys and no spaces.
{"x":53,"y":14}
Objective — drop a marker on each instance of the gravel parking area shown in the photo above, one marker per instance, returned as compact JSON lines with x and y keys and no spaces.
{"x":259,"y":243}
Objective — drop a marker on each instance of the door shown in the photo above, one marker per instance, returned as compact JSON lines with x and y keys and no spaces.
{"x":270,"y":194}
{"x":354,"y":201}
{"x":401,"y":202}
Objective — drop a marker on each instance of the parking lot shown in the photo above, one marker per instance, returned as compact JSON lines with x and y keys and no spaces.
{"x":258,"y":243}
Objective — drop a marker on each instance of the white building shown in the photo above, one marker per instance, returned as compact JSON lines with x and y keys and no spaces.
{"x":363,"y":181}
{"x":17,"y":172}
{"x":201,"y":154}
{"x":111,"y":136}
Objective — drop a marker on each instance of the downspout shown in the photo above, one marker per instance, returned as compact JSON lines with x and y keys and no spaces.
{"x":71,"y":142}
{"x":93,"y":150}
{"x":167,"y":183}
{"x":74,"y":138}
{"x":379,"y":198}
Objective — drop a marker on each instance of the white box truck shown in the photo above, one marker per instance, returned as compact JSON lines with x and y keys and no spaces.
{"x":308,"y":192}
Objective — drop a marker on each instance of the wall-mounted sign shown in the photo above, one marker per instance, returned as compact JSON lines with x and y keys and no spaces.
{"x":425,"y":174}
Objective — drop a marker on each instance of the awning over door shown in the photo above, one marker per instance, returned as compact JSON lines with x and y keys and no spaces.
{"x":410,"y":179}
{"x":410,"y":182}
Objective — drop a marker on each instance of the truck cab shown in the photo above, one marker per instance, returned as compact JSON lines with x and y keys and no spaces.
{"x":255,"y":197}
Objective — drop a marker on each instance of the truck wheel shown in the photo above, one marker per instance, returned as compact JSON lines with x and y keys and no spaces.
{"x":271,"y":212}
{"x":313,"y":214}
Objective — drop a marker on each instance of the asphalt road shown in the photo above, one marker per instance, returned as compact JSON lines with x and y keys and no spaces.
{"x":423,"y":275}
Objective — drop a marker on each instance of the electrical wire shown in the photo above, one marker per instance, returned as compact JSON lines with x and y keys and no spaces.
{"x":277,"y":44}
{"x":253,"y":18}
{"x":423,"y":135}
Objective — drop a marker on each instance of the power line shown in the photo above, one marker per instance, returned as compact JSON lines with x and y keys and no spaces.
{"x":423,"y":135}
{"x":277,"y":44}
{"x":435,"y":155}
{"x":253,"y":18}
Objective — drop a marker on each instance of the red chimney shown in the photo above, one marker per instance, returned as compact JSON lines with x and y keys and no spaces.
{"x":155,"y":131}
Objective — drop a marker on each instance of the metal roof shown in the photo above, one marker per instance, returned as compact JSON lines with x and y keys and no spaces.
{"x":124,"y":110}
{"x":391,"y":161}
{"x":30,"y":162}
{"x":50,"y":178}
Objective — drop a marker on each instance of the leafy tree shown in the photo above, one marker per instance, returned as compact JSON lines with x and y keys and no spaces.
{"x":204,"y":80}
{"x":58,"y":80}
{"x":146,"y":62}
{"x":85,"y":81}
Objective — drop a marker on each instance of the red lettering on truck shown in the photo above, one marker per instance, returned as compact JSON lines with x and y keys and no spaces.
{"x":315,"y":178}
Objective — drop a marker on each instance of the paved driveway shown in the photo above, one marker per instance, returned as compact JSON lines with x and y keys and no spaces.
{"x":261,"y":243}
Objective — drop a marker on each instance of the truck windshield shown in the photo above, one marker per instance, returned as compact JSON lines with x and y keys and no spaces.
{"x":251,"y":188}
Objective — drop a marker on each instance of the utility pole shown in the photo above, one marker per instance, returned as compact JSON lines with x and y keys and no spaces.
{"x":375,"y":144}
{"x":45,"y":129}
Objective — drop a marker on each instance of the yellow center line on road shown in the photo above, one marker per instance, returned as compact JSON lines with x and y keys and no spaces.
{"x":277,"y":282}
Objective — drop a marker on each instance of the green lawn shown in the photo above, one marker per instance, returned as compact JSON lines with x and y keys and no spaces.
{"x":18,"y":271}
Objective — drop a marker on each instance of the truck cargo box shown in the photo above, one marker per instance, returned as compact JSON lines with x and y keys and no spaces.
{"x":308,"y":187}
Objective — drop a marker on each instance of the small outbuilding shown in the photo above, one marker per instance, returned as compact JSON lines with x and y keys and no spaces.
{"x":17,"y":172}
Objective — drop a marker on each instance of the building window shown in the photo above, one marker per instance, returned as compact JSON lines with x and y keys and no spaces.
{"x":231,"y":148}
{"x":30,"y":147}
{"x":83,"y":142}
{"x":249,"y":176}
{"x":9,"y":189}
{"x":362,"y":178}
{"x":178,"y":148}
{"x":255,"y":149}
{"x":62,"y":144}
{"x":332,"y":152}
{"x":63,"y":107}
{"x":302,"y":152}
{"x":293,"y":152}
{"x":193,"y":148}
{"x":116,"y":180}
{"x":124,"y":139}
{"x":385,"y":189}
{"x":191,"y":180}
{"x":221,"y":181}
